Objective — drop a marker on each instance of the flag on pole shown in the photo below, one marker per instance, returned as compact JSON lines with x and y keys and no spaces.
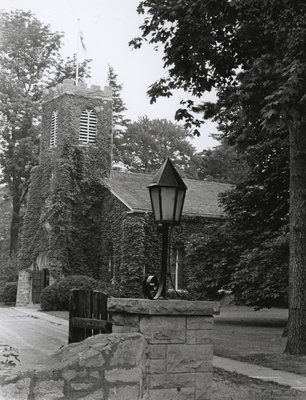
{"x":82,"y":41}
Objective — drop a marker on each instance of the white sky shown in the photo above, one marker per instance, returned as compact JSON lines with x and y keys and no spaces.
{"x":108,"y":26}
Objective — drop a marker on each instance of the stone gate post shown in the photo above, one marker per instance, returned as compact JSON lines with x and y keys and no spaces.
{"x":179,"y":335}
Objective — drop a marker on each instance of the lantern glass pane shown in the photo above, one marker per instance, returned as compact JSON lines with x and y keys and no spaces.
{"x":154,"y":192}
{"x":179,"y":204}
{"x":168,"y":203}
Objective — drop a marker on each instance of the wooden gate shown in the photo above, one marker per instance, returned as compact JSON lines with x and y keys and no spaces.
{"x":39,"y":282}
{"x":88,"y":315}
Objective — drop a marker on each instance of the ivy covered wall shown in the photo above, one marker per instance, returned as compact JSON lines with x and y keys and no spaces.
{"x":136,"y":245}
{"x":63,"y":216}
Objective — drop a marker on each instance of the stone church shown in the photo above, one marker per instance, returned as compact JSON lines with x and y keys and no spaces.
{"x":82,"y":217}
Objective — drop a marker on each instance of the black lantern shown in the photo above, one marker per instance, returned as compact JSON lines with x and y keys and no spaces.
{"x":167,"y":193}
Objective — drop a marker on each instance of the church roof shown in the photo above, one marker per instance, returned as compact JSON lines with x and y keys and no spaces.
{"x":201,"y":196}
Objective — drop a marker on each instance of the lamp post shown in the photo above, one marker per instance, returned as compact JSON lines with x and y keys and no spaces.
{"x":167,"y":194}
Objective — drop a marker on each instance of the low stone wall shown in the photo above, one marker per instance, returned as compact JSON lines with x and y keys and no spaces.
{"x":101,"y":367}
{"x":159,"y":350}
{"x":179,"y":336}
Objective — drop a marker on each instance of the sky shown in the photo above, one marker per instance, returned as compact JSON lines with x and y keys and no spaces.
{"x":107,"y":27}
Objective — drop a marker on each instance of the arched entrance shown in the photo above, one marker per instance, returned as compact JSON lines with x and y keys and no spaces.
{"x":40,"y":276}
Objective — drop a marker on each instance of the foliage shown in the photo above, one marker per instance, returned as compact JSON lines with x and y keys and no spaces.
{"x":147,"y":143}
{"x":9,"y":292}
{"x":211,"y":258}
{"x":56,"y":296}
{"x":119,"y":121}
{"x":261,"y":276}
{"x":29,"y":62}
{"x":221,"y":164}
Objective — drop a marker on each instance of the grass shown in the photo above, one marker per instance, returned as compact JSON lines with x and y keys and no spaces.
{"x":252,"y":336}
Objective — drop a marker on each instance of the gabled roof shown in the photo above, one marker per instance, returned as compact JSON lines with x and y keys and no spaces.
{"x":201,"y":196}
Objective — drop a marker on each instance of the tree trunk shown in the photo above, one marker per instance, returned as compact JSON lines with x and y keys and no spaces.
{"x":15,"y":225}
{"x":296,"y":343}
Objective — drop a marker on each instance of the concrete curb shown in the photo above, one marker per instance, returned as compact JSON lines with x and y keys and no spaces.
{"x":294,"y":381}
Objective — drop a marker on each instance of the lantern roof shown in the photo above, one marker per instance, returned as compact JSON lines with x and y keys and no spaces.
{"x":168,"y":176}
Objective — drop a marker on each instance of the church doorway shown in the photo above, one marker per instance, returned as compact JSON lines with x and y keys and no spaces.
{"x":40,"y":279}
{"x":40,"y":276}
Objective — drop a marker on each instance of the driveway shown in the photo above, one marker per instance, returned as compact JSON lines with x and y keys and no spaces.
{"x":27,"y":336}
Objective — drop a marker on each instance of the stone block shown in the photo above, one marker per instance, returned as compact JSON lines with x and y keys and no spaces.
{"x":198,"y":322}
{"x":191,"y":336}
{"x":81,"y":386}
{"x":203,"y":386}
{"x":16,"y":391}
{"x":156,"y":366}
{"x":163,"y":329}
{"x":162,"y":307}
{"x":170,"y":381}
{"x":204,"y":336}
{"x":96,"y":395}
{"x":49,"y":390}
{"x":95,"y":375}
{"x":124,"y":329}
{"x":129,"y":352}
{"x":189,"y":358}
{"x":69,"y":374}
{"x":172,"y":394}
{"x":156,"y":351}
{"x":125,"y":323}
{"x":91,"y":358}
{"x":124,"y":393}
{"x":133,"y":375}
{"x":194,"y":336}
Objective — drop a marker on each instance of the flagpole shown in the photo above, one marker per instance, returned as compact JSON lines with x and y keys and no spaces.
{"x":77,"y":55}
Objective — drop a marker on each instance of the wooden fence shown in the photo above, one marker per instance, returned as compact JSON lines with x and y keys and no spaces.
{"x":88,"y":315}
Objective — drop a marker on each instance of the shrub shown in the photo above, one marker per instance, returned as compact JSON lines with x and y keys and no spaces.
{"x":10,"y":292}
{"x":56,"y":296}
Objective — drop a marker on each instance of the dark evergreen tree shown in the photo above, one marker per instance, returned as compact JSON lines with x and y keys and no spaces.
{"x":119,"y":121}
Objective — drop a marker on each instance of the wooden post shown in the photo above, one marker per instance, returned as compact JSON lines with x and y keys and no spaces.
{"x":87,"y":311}
{"x":76,"y":308}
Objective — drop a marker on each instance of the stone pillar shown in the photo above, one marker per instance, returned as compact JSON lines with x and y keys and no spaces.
{"x":179,"y":336}
{"x":24,"y":288}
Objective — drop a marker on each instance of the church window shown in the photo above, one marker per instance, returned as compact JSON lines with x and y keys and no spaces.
{"x":177,"y":267}
{"x":88,"y":127}
{"x":53,"y":135}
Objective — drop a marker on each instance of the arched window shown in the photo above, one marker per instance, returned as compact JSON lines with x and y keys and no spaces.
{"x":177,"y":266}
{"x":53,"y":133}
{"x":88,"y":127}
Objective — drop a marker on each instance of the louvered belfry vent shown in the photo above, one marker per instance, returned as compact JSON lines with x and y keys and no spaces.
{"x":53,"y":135}
{"x":88,"y":127}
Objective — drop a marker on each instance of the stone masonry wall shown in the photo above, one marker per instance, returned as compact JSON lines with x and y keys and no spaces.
{"x":179,"y":336}
{"x":103,"y":367}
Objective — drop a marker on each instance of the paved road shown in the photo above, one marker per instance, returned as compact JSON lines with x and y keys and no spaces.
{"x":25,"y":336}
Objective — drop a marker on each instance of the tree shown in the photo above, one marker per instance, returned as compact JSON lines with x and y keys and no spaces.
{"x":221,"y":164}
{"x":119,"y":121}
{"x":29,"y":62}
{"x":254,"y":51}
{"x":147,"y":143}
